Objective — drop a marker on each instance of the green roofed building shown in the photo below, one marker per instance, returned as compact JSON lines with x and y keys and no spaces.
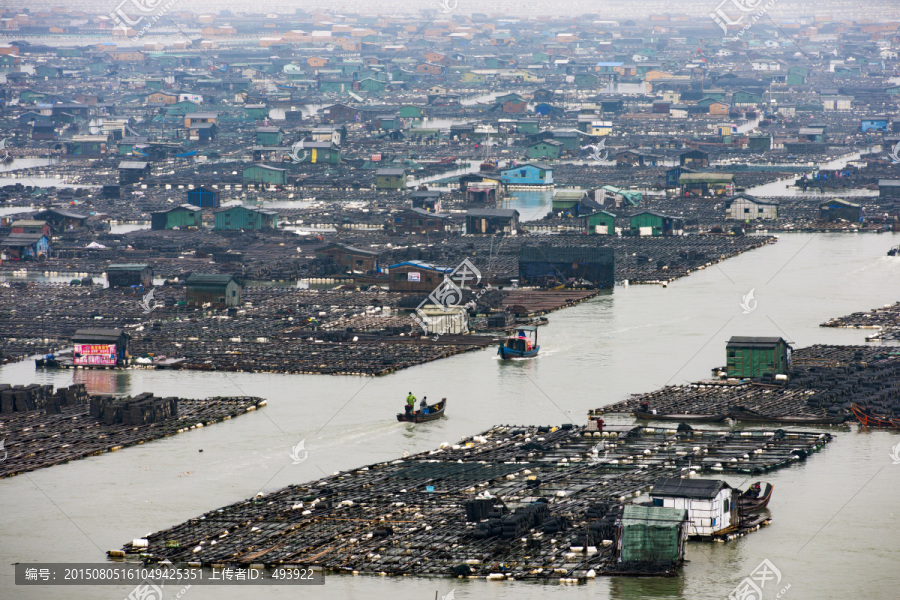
{"x":220,"y":291}
{"x":753,"y":356}
{"x":653,"y":534}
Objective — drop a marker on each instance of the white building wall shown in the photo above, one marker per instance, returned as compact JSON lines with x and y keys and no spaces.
{"x":706,"y":516}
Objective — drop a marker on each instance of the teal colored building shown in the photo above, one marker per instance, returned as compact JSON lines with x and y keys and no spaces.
{"x":544,"y":149}
{"x":601,"y":223}
{"x":264,"y":174}
{"x":185,"y":216}
{"x":241,"y":217}
{"x":527,"y":174}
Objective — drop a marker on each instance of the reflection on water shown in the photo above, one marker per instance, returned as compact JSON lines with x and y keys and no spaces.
{"x":102,"y":381}
{"x":26,"y":163}
{"x":531,"y":204}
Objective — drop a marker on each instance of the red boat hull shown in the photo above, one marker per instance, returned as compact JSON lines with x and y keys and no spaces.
{"x":869,"y":420}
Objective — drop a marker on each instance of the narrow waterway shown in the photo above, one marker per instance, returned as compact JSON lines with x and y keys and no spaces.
{"x":835,"y":521}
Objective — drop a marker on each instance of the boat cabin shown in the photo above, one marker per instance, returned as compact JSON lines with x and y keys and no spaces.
{"x":521,"y":344}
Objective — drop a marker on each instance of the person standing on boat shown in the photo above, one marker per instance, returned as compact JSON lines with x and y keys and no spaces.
{"x":423,"y":405}
{"x":410,"y":403}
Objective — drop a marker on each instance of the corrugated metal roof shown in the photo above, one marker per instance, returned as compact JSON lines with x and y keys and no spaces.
{"x":656,"y":516}
{"x":705,"y":177}
{"x":90,"y":334}
{"x":741,"y":341}
{"x":688,"y":488}
{"x":503,"y":213}
{"x":208,"y":279}
{"x":133,"y":164}
{"x":21,"y":239}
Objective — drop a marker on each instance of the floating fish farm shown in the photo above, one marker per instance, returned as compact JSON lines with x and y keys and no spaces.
{"x":824,"y":382}
{"x":41,"y":438}
{"x":514,"y":502}
{"x":885,"y":319}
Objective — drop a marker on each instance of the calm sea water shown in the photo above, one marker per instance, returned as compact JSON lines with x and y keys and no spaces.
{"x":835,"y":520}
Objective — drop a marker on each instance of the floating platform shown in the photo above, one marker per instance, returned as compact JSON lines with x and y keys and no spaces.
{"x":536,"y":302}
{"x":38,"y":439}
{"x":514,"y":502}
{"x":824,"y":382}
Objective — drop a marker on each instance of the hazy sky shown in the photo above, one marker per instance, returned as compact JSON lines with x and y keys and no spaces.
{"x":783,"y":9}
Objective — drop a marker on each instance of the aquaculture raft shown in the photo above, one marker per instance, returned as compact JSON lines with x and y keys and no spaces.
{"x":37,"y":439}
{"x":511,"y":503}
{"x":824,"y":382}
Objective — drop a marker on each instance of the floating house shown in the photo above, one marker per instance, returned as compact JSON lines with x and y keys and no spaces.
{"x":264,"y":174}
{"x":416,"y":276}
{"x":25,"y":246}
{"x":220,"y":291}
{"x":203,"y":197}
{"x":492,"y":220}
{"x":235,"y":218}
{"x":601,"y":223}
{"x":753,"y":356}
{"x":133,"y":171}
{"x":706,"y":184}
{"x":419,"y":221}
{"x":183,"y":217}
{"x":648,"y":223}
{"x":840,"y":210}
{"x":744,"y":207}
{"x":546,"y":265}
{"x":348,"y":258}
{"x":30,"y":226}
{"x":128,"y":275}
{"x":711,"y":504}
{"x":428,"y":200}
{"x":61,"y":220}
{"x":390,"y":179}
{"x":96,"y":347}
{"x":536,"y":174}
{"x":652,"y":534}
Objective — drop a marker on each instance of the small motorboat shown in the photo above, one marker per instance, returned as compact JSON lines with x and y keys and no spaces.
{"x":522,"y":344}
{"x":755,"y":498}
{"x":429,"y":413}
{"x":867,"y":419}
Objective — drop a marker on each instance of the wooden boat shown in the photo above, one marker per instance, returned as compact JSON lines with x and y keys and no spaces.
{"x":739,"y":413}
{"x":867,"y":419}
{"x":640,"y":414}
{"x":435,"y":411}
{"x":522,"y":344}
{"x":755,"y":498}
